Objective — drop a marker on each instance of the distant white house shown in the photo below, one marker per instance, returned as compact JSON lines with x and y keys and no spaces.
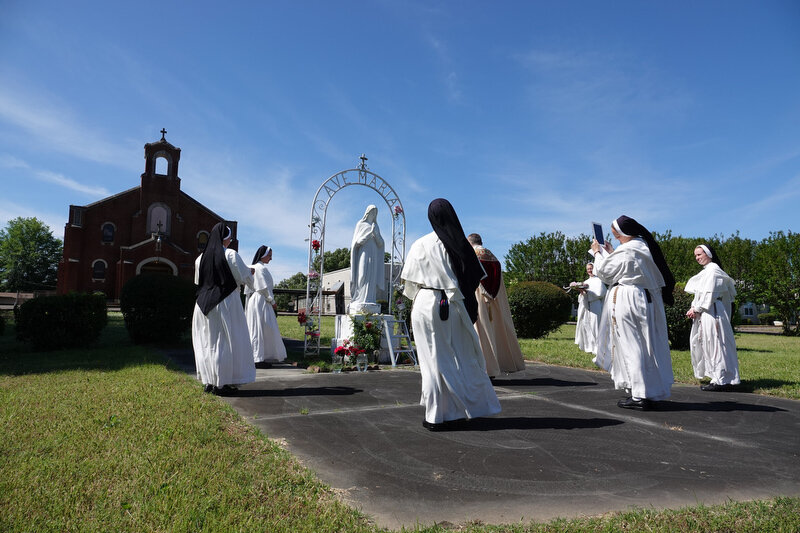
{"x":335,"y":280}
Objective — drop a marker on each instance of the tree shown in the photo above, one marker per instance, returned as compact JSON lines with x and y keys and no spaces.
{"x":679,"y":254}
{"x":29,"y":255}
{"x":297,"y":281}
{"x":548,"y":257}
{"x":738,"y":257}
{"x":776,"y":276}
{"x":339,"y":259}
{"x":335,"y":260}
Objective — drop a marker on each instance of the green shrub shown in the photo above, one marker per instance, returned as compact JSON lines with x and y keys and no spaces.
{"x":736,"y":318}
{"x":537,"y":308}
{"x":678,"y":326}
{"x":767,"y":318}
{"x":157,"y":307}
{"x":2,"y":325}
{"x":63,"y":321}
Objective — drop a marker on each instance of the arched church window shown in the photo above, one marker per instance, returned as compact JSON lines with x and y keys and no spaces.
{"x":108,"y":232}
{"x":158,"y":219}
{"x":202,"y":241}
{"x":99,"y":269}
{"x":162,"y":166}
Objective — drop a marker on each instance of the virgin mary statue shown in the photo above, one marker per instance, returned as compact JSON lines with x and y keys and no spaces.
{"x":366,"y":264}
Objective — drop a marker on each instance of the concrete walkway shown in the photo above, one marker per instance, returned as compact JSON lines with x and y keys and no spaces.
{"x":560,"y":447}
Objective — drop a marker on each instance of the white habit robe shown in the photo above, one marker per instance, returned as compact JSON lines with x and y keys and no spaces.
{"x":712,"y":342}
{"x":221,"y":340}
{"x":454,"y":380}
{"x":494,"y":326}
{"x":590,"y":307}
{"x":632,"y":342}
{"x":265,"y":337}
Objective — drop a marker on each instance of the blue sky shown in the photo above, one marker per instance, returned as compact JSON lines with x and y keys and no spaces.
{"x":529,"y":116}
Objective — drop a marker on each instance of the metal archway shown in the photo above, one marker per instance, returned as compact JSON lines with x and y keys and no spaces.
{"x":316,"y":242}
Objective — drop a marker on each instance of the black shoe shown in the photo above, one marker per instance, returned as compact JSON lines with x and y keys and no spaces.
{"x":208,"y":388}
{"x":629,"y":403}
{"x":713,"y":387}
{"x":434,"y":427}
{"x":263,"y":364}
{"x":225,"y":390}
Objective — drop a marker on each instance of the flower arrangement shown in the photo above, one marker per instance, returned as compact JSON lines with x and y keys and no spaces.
{"x":315,"y":244}
{"x":398,"y":210}
{"x":348,"y":351}
{"x":313,"y":274}
{"x":301,"y":317}
{"x":367,"y":333}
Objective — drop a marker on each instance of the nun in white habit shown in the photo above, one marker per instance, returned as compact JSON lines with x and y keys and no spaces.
{"x":265,"y":336}
{"x":441,"y":274}
{"x":221,"y":341}
{"x":712,"y":343}
{"x":632,"y":341}
{"x":590,"y":307}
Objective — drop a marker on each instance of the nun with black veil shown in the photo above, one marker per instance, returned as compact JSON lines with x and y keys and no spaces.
{"x":222,"y":351}
{"x":265,"y":337}
{"x":441,"y":273}
{"x":632,"y":342}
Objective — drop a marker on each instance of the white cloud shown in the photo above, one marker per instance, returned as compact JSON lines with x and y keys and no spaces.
{"x":10,"y":211}
{"x":9,"y":161}
{"x":54,"y":125}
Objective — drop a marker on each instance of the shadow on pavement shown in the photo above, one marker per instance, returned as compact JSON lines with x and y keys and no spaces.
{"x":298,"y":391}
{"x":715,"y":407}
{"x":542,"y":382}
{"x":524,"y":422}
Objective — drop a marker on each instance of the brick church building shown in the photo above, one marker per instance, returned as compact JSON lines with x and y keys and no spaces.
{"x":154,"y":227}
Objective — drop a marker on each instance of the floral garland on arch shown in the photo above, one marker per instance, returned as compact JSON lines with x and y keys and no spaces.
{"x":312,"y":330}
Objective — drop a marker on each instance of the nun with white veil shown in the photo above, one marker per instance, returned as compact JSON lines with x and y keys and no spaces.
{"x":590,"y":307}
{"x":441,"y":274}
{"x":221,"y":341}
{"x":632,"y":341}
{"x":712,"y":343}
{"x":366,"y":263}
{"x":265,"y":337}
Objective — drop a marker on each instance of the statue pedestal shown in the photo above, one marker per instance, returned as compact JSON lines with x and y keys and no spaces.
{"x":356,"y":308}
{"x":344,"y":330}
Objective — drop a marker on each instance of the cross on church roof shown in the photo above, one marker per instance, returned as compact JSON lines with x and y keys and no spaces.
{"x":163,"y":132}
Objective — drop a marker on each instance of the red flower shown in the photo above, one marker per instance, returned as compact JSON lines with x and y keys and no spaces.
{"x":301,"y":317}
{"x":315,"y":244}
{"x":398,"y":210}
{"x":368,"y":325}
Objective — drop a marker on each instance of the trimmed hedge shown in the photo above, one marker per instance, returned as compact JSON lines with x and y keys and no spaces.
{"x":157,"y":307}
{"x":64,"y":321}
{"x":767,"y":318}
{"x":679,"y":327}
{"x":537,"y":308}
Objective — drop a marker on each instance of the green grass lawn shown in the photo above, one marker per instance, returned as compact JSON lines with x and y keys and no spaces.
{"x":768,"y":364}
{"x":113,"y":438}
